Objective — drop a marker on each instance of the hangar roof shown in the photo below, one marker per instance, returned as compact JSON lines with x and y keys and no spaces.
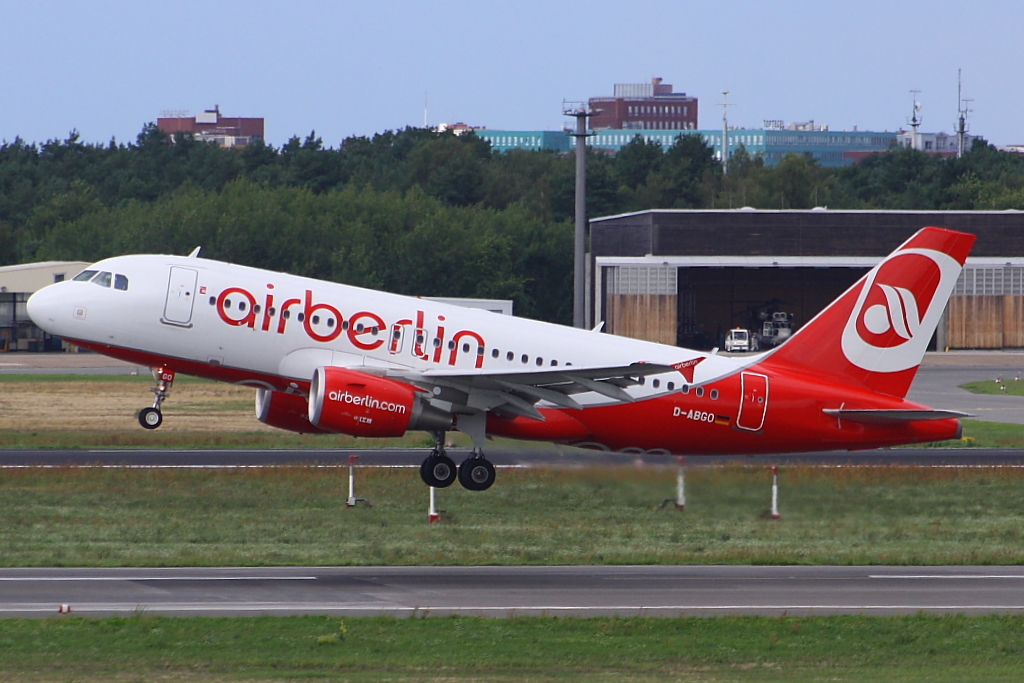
{"x":797,"y":233}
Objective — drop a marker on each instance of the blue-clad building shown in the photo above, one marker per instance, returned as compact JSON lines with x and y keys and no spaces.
{"x":829,"y":148}
{"x":505,"y":140}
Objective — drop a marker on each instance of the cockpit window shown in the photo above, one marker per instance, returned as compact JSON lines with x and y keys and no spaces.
{"x":103,"y":279}
{"x":84,"y":275}
{"x":121,"y":282}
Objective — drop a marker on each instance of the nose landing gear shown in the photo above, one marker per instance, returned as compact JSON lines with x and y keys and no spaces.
{"x":151,"y":418}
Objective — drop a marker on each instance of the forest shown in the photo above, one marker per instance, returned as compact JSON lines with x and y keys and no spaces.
{"x":419,"y":212}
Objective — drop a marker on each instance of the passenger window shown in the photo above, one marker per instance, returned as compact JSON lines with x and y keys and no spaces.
{"x":656,"y":383}
{"x":495,"y":353}
{"x":213,"y":301}
{"x":84,"y":276}
{"x":103,"y":279}
{"x":121,"y":282}
{"x":509,"y":355}
{"x":700,"y":391}
{"x":714,"y":394}
{"x":671,"y":386}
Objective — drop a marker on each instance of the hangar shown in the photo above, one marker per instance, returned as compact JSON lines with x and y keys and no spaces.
{"x":686,"y":277}
{"x":17,"y":283}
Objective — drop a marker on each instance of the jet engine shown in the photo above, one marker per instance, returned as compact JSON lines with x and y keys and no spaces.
{"x":284,"y":411}
{"x":360,"y":404}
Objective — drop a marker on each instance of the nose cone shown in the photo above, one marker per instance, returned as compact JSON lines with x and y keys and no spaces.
{"x":44,"y":307}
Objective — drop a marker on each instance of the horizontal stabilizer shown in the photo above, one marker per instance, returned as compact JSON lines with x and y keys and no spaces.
{"x":891,"y":417}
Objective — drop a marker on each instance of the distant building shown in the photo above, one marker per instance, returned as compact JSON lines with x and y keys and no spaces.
{"x":644,"y":106}
{"x":210,"y":126}
{"x":939,"y":144}
{"x":533,"y":140}
{"x":828,"y":148}
{"x":17,"y":283}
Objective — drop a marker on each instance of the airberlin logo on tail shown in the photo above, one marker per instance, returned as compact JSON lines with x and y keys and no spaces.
{"x":897,"y":310}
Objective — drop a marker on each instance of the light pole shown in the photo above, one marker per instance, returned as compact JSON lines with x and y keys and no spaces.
{"x":580,"y":112}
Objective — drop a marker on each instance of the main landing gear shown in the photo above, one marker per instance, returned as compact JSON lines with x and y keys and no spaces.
{"x":151,"y":418}
{"x":476,"y":473}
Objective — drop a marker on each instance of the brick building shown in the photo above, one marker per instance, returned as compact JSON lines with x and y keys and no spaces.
{"x":644,"y":106}
{"x":210,"y":126}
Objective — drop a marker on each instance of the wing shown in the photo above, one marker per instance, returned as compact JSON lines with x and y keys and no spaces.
{"x":515,"y":392}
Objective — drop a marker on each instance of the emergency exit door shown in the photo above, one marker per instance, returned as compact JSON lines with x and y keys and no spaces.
{"x":753,"y":402}
{"x":181,"y":293}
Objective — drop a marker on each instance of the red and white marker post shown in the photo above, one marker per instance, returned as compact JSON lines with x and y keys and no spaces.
{"x":433,"y":517}
{"x":775,"y":491}
{"x":681,"y":484}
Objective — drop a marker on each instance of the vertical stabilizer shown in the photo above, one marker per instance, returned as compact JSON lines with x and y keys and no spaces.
{"x":875,"y":334}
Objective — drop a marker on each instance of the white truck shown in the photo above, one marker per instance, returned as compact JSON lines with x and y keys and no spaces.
{"x":739,"y":340}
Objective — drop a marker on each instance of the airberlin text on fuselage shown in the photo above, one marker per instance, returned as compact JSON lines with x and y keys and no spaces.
{"x":365,"y":330}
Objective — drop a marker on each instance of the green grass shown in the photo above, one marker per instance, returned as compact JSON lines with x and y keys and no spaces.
{"x":1007,"y":387}
{"x":842,"y":648}
{"x":296,"y":516}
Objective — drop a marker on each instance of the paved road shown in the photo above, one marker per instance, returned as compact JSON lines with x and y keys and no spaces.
{"x":508,"y":591}
{"x":939,"y":387}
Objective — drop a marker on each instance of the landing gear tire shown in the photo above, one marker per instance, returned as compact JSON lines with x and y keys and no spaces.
{"x":476,"y":473}
{"x":438,"y":470}
{"x":150,"y":418}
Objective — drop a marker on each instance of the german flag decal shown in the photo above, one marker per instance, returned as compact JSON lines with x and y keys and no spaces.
{"x":721,"y":420}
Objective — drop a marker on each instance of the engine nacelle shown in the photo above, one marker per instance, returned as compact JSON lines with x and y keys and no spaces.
{"x":284,"y":411}
{"x":359,"y":404}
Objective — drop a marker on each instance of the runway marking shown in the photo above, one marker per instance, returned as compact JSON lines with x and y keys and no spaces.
{"x":946,"y":575}
{"x":320,"y":608}
{"x":158,"y":578}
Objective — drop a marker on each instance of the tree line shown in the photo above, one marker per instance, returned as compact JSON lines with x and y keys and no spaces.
{"x":419,"y":212}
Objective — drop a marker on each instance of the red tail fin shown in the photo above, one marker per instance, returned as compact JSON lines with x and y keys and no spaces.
{"x":876,"y":333}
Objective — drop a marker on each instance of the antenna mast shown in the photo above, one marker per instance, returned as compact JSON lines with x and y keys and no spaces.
{"x":963,"y":106}
{"x":915,"y":120}
{"x":725,"y":130}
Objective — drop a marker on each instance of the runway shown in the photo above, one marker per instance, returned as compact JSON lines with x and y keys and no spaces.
{"x":664,"y":591}
{"x":502,"y":457}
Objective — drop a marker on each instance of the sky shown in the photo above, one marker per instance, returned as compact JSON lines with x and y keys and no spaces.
{"x":107,"y":67}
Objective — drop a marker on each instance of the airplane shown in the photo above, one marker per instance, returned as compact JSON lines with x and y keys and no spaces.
{"x":332,"y":358}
